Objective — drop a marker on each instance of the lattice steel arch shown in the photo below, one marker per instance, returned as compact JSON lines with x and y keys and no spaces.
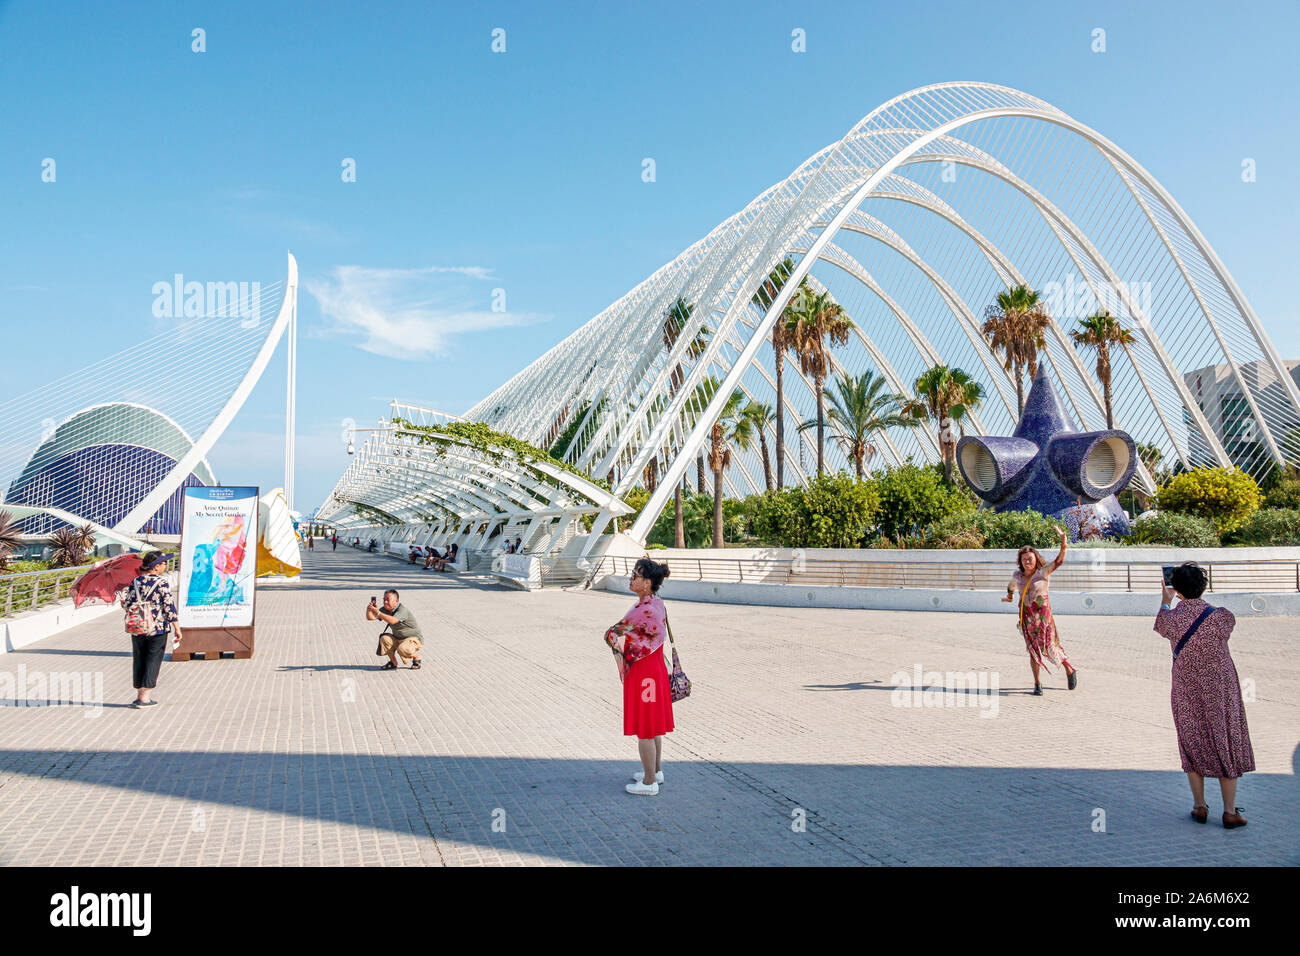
{"x":914,"y":220}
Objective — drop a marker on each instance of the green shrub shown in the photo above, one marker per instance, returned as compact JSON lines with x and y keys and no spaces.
{"x":993,"y":529}
{"x":1276,"y":527}
{"x":1285,"y":493}
{"x":834,"y":511}
{"x":1226,"y":496}
{"x":1176,"y":529}
{"x":656,"y":547}
{"x":776,"y":516}
{"x":838,"y":511}
{"x":697,"y":522}
{"x":913,"y":497}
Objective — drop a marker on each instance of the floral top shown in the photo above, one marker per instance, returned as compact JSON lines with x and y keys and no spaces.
{"x":644,"y":628}
{"x":155,"y":591}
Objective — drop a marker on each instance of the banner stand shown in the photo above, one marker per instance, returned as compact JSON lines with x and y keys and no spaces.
{"x":214,"y":643}
{"x":217,"y":584}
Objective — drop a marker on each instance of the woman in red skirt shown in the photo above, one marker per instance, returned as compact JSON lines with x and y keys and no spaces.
{"x":1036,"y":624}
{"x":647,"y":702}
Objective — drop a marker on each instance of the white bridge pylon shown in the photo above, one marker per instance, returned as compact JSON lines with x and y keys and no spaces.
{"x":914,"y":221}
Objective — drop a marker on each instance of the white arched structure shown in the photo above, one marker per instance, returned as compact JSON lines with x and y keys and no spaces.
{"x":914,"y":221}
{"x":190,"y":378}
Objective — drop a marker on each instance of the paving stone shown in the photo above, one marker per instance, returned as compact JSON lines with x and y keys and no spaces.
{"x":307,"y":754}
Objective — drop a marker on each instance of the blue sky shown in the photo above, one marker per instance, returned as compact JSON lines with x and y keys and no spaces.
{"x":522,"y":171}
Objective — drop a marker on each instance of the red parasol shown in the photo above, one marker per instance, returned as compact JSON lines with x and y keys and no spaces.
{"x":105,"y":579}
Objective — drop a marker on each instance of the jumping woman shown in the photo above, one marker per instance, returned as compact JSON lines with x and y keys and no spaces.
{"x":1036,"y":624}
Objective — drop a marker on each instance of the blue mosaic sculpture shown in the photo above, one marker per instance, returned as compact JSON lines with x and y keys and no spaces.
{"x":1051,"y":467}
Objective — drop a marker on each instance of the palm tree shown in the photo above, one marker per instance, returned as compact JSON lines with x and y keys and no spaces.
{"x":10,"y":537}
{"x":1014,"y":324}
{"x":86,"y":535}
{"x":817,"y":324}
{"x":945,"y":395}
{"x":730,"y":429}
{"x":67,"y":551}
{"x":760,"y":415}
{"x":764,"y":298}
{"x":860,"y":406}
{"x":1100,"y":331}
{"x":675,"y":321}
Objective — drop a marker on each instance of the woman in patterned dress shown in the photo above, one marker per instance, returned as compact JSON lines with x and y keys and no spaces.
{"x":647,"y":701}
{"x":1036,"y":623}
{"x":147,"y":650}
{"x":1205,"y":694}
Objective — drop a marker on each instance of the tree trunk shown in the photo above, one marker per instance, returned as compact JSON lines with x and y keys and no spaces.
{"x":1103,"y":373}
{"x":699,"y":473}
{"x":717,"y":508}
{"x":652,"y":475}
{"x":780,"y":420}
{"x":821,"y":428}
{"x":679,"y":529}
{"x":1020,"y":392}
{"x":767,"y":468}
{"x":857,"y":460}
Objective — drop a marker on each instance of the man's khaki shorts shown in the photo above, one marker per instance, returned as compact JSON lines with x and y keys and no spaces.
{"x":406,"y":649}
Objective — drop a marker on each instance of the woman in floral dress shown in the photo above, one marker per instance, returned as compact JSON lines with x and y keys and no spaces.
{"x":647,"y":700}
{"x":1209,"y":714}
{"x":1036,"y":623}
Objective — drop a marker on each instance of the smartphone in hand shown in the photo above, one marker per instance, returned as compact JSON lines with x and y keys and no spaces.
{"x":1168,"y":571}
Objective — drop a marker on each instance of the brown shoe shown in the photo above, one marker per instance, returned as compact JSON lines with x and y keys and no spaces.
{"x":1234,"y":819}
{"x":1200,"y":814}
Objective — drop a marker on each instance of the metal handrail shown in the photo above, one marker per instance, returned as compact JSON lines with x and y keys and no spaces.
{"x":16,"y":596}
{"x":1114,"y":573}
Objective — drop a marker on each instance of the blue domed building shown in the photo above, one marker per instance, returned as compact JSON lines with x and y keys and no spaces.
{"x":101,"y":462}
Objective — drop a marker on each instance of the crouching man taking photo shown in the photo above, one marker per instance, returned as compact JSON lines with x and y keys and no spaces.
{"x":401,"y":636}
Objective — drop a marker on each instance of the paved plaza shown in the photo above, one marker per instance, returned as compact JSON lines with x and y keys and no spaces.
{"x":506,"y":748}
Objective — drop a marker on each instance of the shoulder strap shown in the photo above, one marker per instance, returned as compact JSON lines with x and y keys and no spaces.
{"x":1193,"y":629}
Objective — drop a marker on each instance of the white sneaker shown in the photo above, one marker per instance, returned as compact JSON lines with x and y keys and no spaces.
{"x":640,"y":775}
{"x":641,"y":790}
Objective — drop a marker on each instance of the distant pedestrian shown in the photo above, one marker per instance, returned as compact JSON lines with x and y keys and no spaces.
{"x":647,"y":696}
{"x":1036,"y":623}
{"x":1209,"y":714}
{"x":150,"y":613}
{"x":401,"y":636}
{"x":334,"y":542}
{"x":311,"y":542}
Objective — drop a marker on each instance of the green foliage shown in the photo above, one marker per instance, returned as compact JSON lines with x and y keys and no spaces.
{"x":565,"y":438}
{"x":490,"y":442}
{"x":833,"y":511}
{"x":778,"y":515}
{"x":838,"y":510}
{"x":655,"y":546}
{"x":1226,"y":496}
{"x":1285,"y":493}
{"x":1177,"y":529}
{"x":636,"y":498}
{"x":697,"y":522}
{"x":1270,"y":527}
{"x":993,"y":529}
{"x":915,"y":496}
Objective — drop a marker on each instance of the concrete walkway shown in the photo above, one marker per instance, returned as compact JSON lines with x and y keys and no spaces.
{"x":506,"y":748}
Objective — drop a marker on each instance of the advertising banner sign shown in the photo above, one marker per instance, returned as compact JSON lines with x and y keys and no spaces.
{"x":218,"y":563}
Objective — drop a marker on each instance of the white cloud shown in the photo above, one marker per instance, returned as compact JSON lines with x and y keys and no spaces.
{"x":410,"y":313}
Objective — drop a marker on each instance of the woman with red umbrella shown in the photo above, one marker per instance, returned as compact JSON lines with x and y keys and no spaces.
{"x":150,"y":612}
